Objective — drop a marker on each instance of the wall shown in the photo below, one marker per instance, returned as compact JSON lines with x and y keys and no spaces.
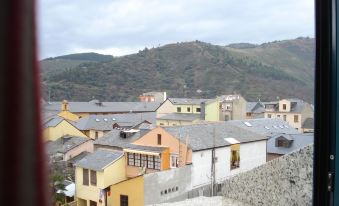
{"x":289,"y":118}
{"x":91,"y":134}
{"x":114,"y":173}
{"x":212,"y":111}
{"x":87,"y":146}
{"x":286,"y":180}
{"x":161,"y":122}
{"x":133,"y":188}
{"x":288,"y":105}
{"x":176,"y":182}
{"x":68,"y":115}
{"x":166,"y":108}
{"x":63,"y":128}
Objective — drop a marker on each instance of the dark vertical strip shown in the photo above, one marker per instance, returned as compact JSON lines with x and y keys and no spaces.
{"x":323,"y":105}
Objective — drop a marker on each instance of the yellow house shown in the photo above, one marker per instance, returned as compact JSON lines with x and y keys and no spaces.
{"x":184,"y":111}
{"x":57,"y":127}
{"x":130,"y":191}
{"x":95,"y":174}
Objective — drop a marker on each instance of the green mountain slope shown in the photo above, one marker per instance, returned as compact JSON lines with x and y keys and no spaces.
{"x":284,"y":69}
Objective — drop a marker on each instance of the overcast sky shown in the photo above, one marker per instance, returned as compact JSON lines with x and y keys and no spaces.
{"x":120,"y":27}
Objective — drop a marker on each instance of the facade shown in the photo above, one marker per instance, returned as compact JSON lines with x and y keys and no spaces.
{"x":293,"y":111}
{"x":57,"y":127}
{"x":182,"y":111}
{"x":153,"y":97}
{"x":232,"y":107}
{"x":94,"y":175}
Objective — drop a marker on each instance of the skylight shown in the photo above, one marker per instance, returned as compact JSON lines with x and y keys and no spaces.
{"x":286,"y":126}
{"x":275,"y":126}
{"x":113,"y":119}
{"x":105,"y":119}
{"x":266,"y":127}
{"x":281,"y":126}
{"x":98,"y":120}
{"x":248,"y":124}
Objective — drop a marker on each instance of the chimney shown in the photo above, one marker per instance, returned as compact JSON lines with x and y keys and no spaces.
{"x":202,"y":110}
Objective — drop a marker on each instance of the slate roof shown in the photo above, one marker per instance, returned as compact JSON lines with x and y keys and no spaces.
{"x":255,"y":107}
{"x":297,"y":105}
{"x":53,"y":121}
{"x":105,"y":122}
{"x":181,"y":101}
{"x":144,"y":148}
{"x":99,"y":159}
{"x":79,"y":157}
{"x":308,"y":123}
{"x":298,"y":141}
{"x":265,"y":126}
{"x":113,"y":139}
{"x":94,"y":106}
{"x":180,"y":116}
{"x":201,"y":136}
{"x":64,"y":144}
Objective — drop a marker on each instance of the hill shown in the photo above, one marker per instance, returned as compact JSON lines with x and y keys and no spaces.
{"x":281,"y":68}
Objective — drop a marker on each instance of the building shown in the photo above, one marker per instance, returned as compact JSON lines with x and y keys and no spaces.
{"x":255,"y":110}
{"x":282,"y":144}
{"x":55,"y":127}
{"x":94,"y":175}
{"x":82,"y":109}
{"x":95,"y":126}
{"x":188,"y":110}
{"x":153,"y":97}
{"x":308,"y":126}
{"x":293,"y":111}
{"x":232,"y":107}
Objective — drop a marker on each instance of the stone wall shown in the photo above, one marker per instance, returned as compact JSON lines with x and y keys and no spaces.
{"x":286,"y":180}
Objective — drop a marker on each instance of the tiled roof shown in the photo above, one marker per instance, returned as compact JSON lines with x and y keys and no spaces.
{"x":95,"y":106}
{"x":202,"y":136}
{"x":105,"y":122}
{"x":99,"y":160}
{"x":265,"y":126}
{"x":298,"y":141}
{"x":180,"y":116}
{"x":64,"y":144}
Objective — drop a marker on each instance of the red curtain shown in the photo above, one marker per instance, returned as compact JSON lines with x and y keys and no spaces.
{"x":22,"y":165}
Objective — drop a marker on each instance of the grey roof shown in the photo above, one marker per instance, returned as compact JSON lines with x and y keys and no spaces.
{"x":297,"y":105}
{"x":144,"y":148}
{"x":308,"y":123}
{"x":180,"y":101}
{"x":53,"y":121}
{"x":96,"y":106}
{"x":201,"y":136}
{"x":255,"y":107}
{"x":47,"y":115}
{"x":113,"y":139}
{"x":99,"y":159}
{"x":265,"y":126}
{"x":298,"y":141}
{"x":180,"y":116}
{"x":79,"y":157}
{"x":64,"y":144}
{"x":105,"y":122}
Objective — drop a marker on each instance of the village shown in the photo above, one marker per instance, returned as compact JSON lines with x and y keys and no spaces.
{"x":163,"y":149}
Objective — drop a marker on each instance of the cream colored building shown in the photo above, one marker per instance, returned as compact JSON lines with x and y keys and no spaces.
{"x":293,"y":111}
{"x":233,"y":107}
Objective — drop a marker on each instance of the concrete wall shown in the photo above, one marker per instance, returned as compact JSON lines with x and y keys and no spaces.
{"x":286,"y":180}
{"x":166,"y":185}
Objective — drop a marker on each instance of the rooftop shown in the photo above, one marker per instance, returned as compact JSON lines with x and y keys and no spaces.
{"x":298,"y":141}
{"x":308,"y":123}
{"x":180,"y":116}
{"x":64,"y":144}
{"x":181,"y":101}
{"x":99,"y":160}
{"x":113,"y":139}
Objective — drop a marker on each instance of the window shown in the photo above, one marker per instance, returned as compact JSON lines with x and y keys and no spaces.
{"x":174,"y":161}
{"x":296,"y":118}
{"x":93,"y":178}
{"x":159,"y":139}
{"x":123,"y":200}
{"x":130,"y":157}
{"x":284,"y":106}
{"x":188,"y":109}
{"x":137,"y":160}
{"x":282,"y":143}
{"x":178,"y":109}
{"x":157,"y":162}
{"x":150,"y":162}
{"x":161,"y":124}
{"x":235,"y":156}
{"x":285,"y":117}
{"x":269,"y":116}
{"x":96,"y":135}
{"x":92,"y":203}
{"x":197,"y":109}
{"x":144,"y":160}
{"x":85,"y":177}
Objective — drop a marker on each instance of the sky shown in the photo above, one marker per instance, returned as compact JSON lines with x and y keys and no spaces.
{"x":120,"y":27}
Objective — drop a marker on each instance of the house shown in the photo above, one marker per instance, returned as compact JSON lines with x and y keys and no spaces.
{"x":232,"y":149}
{"x":95,"y":126}
{"x":293,"y":111}
{"x":55,"y":127}
{"x":232,"y":107}
{"x":94,"y":175}
{"x":255,"y":110}
{"x":68,"y":147}
{"x":153,"y":97}
{"x":207,"y":109}
{"x":82,"y":109}
{"x":281,"y":144}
